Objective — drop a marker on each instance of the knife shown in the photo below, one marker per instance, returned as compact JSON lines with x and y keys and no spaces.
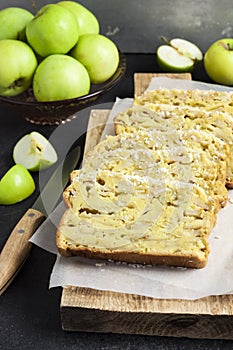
{"x":17,"y":247}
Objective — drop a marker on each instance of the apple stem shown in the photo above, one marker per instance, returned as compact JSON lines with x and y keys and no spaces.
{"x":34,"y":6}
{"x":165,"y":40}
{"x":226,"y":46}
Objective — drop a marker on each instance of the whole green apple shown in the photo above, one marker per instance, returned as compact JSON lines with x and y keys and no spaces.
{"x":218,"y":61}
{"x":13,"y":21}
{"x":60,"y":77}
{"x":17,"y":66}
{"x":54,"y":30}
{"x":16,"y":185}
{"x":87,"y":21}
{"x":98,"y":54}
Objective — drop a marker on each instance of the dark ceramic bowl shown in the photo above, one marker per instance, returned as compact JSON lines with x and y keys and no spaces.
{"x":58,"y":112}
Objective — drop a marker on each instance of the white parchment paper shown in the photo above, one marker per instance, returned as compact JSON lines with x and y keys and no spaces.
{"x":158,"y":282}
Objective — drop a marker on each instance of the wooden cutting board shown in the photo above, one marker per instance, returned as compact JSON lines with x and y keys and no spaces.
{"x":90,"y":310}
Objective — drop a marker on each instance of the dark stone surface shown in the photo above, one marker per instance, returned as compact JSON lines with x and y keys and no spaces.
{"x":29,"y":311}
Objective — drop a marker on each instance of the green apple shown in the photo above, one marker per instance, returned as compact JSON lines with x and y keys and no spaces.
{"x":34,"y":152}
{"x":53,"y":30}
{"x":98,"y":54}
{"x":60,"y":77}
{"x":13,"y":21}
{"x":218,"y":61}
{"x":16,"y":185}
{"x":87,"y":21}
{"x":178,"y":55}
{"x":17,"y":66}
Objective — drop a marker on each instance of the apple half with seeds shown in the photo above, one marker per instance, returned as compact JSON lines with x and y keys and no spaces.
{"x":34,"y":152}
{"x":178,"y":55}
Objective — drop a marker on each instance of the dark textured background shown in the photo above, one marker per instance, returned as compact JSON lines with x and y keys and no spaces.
{"x":29,"y":311}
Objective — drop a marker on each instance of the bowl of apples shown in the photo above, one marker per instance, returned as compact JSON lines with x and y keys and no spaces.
{"x":56,"y":62}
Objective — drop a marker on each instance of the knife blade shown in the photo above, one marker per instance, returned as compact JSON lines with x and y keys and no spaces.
{"x":17,"y":247}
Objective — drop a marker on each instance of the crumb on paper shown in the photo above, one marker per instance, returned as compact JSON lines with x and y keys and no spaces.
{"x":179,"y":268}
{"x":138,"y":266}
{"x":217,"y":237}
{"x":100,"y":264}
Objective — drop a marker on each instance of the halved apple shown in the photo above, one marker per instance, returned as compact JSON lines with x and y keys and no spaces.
{"x":178,"y":55}
{"x":34,"y":152}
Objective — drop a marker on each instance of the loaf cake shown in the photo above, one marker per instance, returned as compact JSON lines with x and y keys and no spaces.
{"x":146,"y":196}
{"x":151,"y":193}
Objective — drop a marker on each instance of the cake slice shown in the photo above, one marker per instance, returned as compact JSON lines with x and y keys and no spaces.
{"x":152,"y":116}
{"x":209,"y":100}
{"x":206,"y":100}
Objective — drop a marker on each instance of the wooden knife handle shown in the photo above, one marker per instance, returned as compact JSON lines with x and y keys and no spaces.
{"x":17,"y":247}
